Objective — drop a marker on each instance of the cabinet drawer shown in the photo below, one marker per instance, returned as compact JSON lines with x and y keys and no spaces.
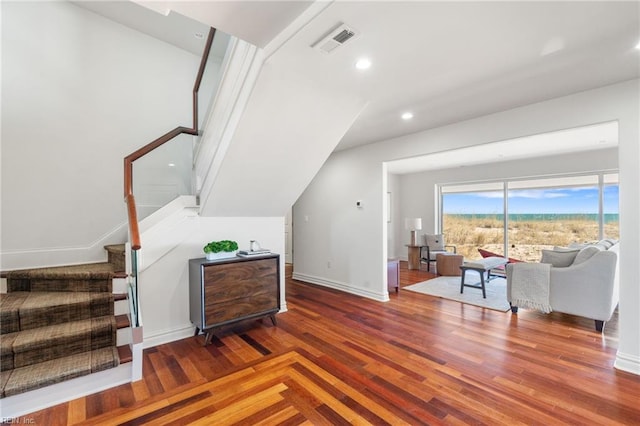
{"x":217,"y":313}
{"x":226,"y":292}
{"x":232,"y":281}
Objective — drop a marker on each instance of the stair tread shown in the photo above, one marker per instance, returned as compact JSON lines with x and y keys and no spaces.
{"x":28,"y":309}
{"x":42,"y":337}
{"x":119,"y":296}
{"x":47,"y":373}
{"x":100,"y":270}
{"x":122,"y":321}
{"x":115,"y":248}
{"x":55,"y":341}
{"x":125,"y":354}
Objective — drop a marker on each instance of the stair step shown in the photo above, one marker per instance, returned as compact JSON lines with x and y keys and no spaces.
{"x":119,"y":296}
{"x":122,"y":321}
{"x":116,"y":256}
{"x":46,"y":373}
{"x":125,"y":354}
{"x":23,"y":311}
{"x":56,"y":341}
{"x":115,"y":248}
{"x":88,"y":277}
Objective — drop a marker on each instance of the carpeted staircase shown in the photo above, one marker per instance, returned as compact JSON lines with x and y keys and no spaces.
{"x":58,"y":323}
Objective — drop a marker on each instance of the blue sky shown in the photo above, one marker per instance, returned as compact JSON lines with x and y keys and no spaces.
{"x":565,"y":200}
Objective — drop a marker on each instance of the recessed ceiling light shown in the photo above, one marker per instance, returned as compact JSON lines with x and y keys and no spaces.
{"x":638,"y":45}
{"x":171,"y":165}
{"x":363,"y":64}
{"x":407,"y":116}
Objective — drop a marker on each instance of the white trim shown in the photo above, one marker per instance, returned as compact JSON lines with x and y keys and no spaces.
{"x":30,"y":402}
{"x":233,"y":94}
{"x":336,"y":285}
{"x":63,"y":256}
{"x":309,"y":14}
{"x":159,"y":230}
{"x":168,"y":336}
{"x":627,"y":362}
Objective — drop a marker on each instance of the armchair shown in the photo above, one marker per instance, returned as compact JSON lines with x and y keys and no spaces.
{"x":434,"y":244}
{"x":585,"y":284}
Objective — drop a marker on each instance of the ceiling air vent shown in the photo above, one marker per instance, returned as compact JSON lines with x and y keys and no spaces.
{"x":335,"y":39}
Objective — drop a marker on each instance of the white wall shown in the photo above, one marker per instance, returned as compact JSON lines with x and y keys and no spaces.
{"x":164,"y":286}
{"x":418,"y":190}
{"x":79,"y":93}
{"x":289,"y":127}
{"x":394,"y":230}
{"x":336,"y":243}
{"x":356,"y":242}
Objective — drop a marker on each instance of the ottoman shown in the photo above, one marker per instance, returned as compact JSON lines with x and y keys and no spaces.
{"x":449,"y":264}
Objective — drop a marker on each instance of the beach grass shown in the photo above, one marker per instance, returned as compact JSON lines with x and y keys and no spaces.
{"x":527,"y":238}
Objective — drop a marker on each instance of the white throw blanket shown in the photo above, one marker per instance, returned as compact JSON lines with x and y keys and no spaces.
{"x":530,"y":286}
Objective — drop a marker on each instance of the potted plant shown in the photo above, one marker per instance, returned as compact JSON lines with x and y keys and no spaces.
{"x":220,"y":249}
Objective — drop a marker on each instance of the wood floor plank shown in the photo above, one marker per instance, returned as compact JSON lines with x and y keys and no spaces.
{"x":286,"y":413}
{"x":336,"y":358}
{"x":76,"y":412}
{"x":244,"y":407}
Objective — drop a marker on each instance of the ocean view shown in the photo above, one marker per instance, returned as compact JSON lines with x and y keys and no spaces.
{"x":533,"y":217}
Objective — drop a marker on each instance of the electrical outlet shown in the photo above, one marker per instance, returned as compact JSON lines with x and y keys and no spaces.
{"x":329,"y":264}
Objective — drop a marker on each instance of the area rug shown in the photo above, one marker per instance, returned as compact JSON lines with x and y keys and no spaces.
{"x":449,"y":288}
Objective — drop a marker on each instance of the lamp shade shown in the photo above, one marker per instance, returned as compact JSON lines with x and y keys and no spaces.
{"x":413,"y":224}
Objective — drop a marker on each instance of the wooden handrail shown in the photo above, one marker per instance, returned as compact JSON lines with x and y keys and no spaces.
{"x":203,"y":65}
{"x":133,"y":222}
{"x":132,"y":214}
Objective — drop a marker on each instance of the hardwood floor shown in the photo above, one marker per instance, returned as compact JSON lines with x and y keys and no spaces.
{"x":336,"y":359}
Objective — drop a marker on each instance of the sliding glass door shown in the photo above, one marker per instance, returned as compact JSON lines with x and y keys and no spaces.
{"x":472,"y":217}
{"x":520,"y":218}
{"x":544,"y":213}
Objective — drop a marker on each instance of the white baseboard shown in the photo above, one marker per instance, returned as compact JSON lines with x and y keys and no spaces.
{"x":168,"y":336}
{"x":39,"y":399}
{"x":628,"y":363}
{"x":336,"y":285}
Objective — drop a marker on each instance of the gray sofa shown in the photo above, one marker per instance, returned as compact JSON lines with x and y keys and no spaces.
{"x":582,"y":280}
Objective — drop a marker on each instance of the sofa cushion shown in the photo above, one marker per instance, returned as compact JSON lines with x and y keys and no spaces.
{"x":578,"y":246}
{"x":559,"y":259}
{"x":607,"y":243}
{"x":565,"y":249}
{"x":586,"y":254}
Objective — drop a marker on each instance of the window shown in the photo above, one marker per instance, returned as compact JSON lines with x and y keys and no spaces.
{"x":472,"y":217}
{"x":540,"y":214}
{"x":544,"y":213}
{"x":611,"y":220}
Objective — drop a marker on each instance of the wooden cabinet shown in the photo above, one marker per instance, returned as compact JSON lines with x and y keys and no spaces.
{"x":229,"y":290}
